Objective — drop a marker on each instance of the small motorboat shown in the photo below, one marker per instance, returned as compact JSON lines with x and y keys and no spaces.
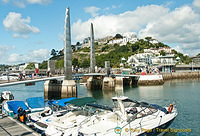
{"x":6,"y":95}
{"x":72,"y":109}
{"x":45,"y":111}
{"x":11,"y":107}
{"x":11,"y":76}
{"x":127,"y":118}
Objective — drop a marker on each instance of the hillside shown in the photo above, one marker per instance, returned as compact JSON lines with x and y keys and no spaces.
{"x":105,"y":52}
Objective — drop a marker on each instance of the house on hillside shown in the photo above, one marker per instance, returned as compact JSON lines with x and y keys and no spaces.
{"x":167,"y":63}
{"x":127,"y":37}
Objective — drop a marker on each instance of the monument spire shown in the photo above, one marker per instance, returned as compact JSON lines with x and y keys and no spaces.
{"x":92,"y":50}
{"x":67,"y":47}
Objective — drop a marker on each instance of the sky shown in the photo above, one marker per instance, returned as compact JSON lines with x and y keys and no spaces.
{"x":30,"y":29}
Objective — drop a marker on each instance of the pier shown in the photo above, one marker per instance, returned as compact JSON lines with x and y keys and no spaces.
{"x":11,"y":127}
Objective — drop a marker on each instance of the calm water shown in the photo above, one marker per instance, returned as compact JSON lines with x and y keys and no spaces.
{"x":185,"y":93}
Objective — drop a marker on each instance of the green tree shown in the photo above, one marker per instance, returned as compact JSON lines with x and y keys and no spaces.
{"x":31,"y":65}
{"x":78,"y":43}
{"x":162,"y":53}
{"x":54,"y":52}
{"x":59,"y":63}
{"x":61,"y":52}
{"x":118,"y":36}
{"x":148,"y":38}
{"x":85,"y":49}
{"x":43,"y":65}
{"x":75,"y":62}
{"x":85,"y":63}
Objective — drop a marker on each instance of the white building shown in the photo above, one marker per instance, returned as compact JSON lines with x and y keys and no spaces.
{"x":152,"y":50}
{"x":154,"y":41}
{"x":167,"y":50}
{"x":168,"y":59}
{"x":127,"y":37}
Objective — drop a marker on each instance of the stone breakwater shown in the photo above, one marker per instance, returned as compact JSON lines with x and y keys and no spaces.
{"x":180,"y":75}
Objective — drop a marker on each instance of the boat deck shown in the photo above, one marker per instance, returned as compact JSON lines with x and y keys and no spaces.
{"x":11,"y":127}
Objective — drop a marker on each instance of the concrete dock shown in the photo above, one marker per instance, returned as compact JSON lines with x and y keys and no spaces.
{"x":11,"y":127}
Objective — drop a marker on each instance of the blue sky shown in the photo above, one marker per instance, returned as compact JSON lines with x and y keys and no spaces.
{"x":29,"y":29}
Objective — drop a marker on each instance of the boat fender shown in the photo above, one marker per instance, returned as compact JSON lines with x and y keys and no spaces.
{"x":170,"y":108}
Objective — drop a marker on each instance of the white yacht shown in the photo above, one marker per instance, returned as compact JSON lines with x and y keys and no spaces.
{"x":127,"y":118}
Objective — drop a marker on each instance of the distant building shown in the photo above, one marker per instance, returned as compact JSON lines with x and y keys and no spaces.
{"x":167,"y":63}
{"x":86,"y":42}
{"x":196,"y":59}
{"x":154,"y":41}
{"x":127,"y":37}
{"x":104,"y":40}
{"x":167,"y":50}
{"x":152,"y":50}
{"x":188,"y":68}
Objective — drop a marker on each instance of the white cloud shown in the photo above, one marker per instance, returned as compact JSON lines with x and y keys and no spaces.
{"x":4,"y":49}
{"x":92,"y":10}
{"x":196,"y":3}
{"x":5,"y":1}
{"x":25,"y":36}
{"x":16,"y":35}
{"x":41,"y":53}
{"x":61,"y":36}
{"x":23,"y":3}
{"x":15,"y":23}
{"x":31,"y":56}
{"x":19,"y":3}
{"x":39,"y":1}
{"x":179,"y":26}
{"x":124,"y":22}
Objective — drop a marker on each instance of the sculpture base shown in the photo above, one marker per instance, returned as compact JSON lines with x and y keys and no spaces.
{"x":55,"y":89}
{"x":94,"y":83}
{"x":108,"y":83}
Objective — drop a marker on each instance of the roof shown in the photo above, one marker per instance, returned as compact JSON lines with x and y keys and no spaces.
{"x":82,"y":101}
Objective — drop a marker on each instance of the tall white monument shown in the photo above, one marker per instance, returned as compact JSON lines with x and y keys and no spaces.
{"x":92,"y":50}
{"x":67,"y":87}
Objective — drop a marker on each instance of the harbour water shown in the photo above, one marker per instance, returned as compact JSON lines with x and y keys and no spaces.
{"x":185,"y":93}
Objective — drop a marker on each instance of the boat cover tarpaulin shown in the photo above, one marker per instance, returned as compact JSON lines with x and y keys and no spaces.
{"x":63,"y":102}
{"x":100,"y":106}
{"x":82,"y":101}
{"x":36,"y":102}
{"x":14,"y":105}
{"x":159,"y":108}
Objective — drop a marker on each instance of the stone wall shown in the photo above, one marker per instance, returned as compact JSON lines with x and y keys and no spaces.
{"x":180,"y":75}
{"x":150,"y":80}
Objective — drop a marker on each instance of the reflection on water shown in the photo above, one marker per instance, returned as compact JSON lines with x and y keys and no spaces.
{"x":184,"y":92}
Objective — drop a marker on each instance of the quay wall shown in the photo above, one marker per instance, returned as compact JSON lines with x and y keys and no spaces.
{"x":180,"y":75}
{"x":150,"y":80}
